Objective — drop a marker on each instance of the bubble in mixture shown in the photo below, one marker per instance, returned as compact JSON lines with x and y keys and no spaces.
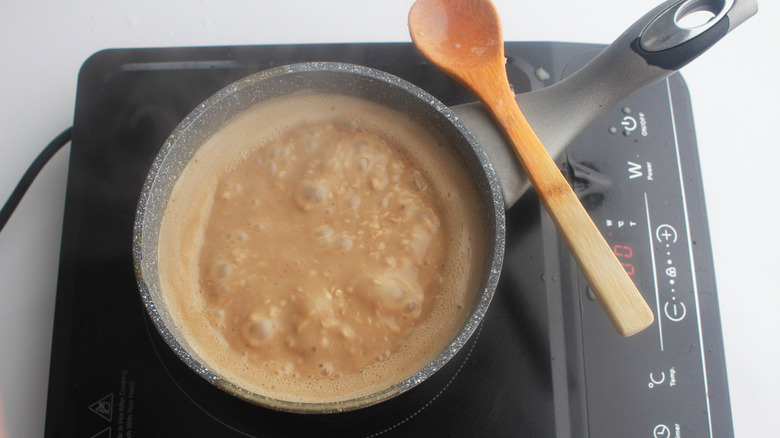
{"x":311,"y":194}
{"x":352,"y":202}
{"x":323,"y":235}
{"x":257,"y":332}
{"x":378,"y":182}
{"x":417,"y":182}
{"x":221,"y":270}
{"x":326,"y":368}
{"x":271,"y":168}
{"x":343,"y":243}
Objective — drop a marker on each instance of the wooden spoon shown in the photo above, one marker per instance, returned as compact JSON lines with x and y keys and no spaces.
{"x":464,"y":39}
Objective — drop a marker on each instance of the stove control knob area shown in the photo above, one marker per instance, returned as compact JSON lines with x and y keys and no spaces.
{"x":666,"y":234}
{"x":656,"y":379}
{"x":662,"y":431}
{"x":666,"y":378}
{"x":675,"y":311}
{"x":630,"y":123}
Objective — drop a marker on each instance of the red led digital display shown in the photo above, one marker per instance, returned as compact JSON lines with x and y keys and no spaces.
{"x":624,"y":252}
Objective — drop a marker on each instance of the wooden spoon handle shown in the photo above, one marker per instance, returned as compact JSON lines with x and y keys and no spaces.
{"x":617,"y":294}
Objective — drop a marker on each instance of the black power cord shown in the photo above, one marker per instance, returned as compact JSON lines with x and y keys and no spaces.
{"x":27,"y":179}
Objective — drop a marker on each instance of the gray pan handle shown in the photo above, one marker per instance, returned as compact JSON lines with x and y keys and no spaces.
{"x":651,"y":49}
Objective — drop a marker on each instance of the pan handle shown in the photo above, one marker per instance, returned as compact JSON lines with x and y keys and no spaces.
{"x":654,"y":47}
{"x":669,"y":43}
{"x":651,"y":49}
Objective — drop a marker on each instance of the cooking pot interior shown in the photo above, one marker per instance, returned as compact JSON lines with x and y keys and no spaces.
{"x":329,"y":77}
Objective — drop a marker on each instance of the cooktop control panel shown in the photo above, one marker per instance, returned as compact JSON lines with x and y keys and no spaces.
{"x":636,"y":172}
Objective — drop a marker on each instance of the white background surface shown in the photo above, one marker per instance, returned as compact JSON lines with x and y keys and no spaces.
{"x":734,"y":90}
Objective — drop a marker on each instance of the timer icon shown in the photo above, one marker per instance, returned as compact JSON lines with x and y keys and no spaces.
{"x":662,"y":431}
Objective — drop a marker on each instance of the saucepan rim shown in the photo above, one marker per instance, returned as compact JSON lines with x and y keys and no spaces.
{"x":160,"y":181}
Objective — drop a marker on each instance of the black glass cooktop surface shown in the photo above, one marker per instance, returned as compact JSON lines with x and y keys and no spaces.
{"x":544,"y":363}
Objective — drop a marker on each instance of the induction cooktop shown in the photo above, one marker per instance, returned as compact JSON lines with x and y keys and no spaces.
{"x":545,"y":362}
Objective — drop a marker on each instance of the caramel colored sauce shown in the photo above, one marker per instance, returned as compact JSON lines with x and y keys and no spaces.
{"x":323,"y":250}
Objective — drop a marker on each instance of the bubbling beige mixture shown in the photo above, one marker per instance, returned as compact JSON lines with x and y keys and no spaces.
{"x":319,"y":251}
{"x":321,"y":255}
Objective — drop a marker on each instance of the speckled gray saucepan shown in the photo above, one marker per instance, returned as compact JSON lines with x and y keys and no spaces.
{"x":338,"y":78}
{"x":649,"y":50}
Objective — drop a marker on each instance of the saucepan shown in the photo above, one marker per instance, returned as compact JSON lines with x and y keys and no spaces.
{"x":652,"y":48}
